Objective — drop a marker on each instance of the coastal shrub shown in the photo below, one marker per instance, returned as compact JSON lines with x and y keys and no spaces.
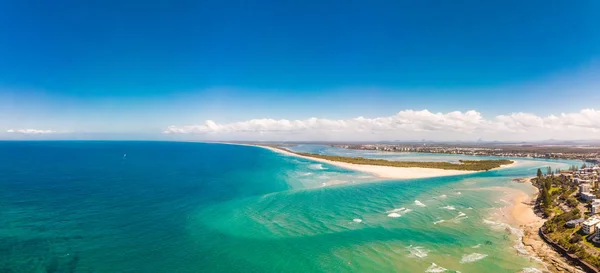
{"x":575,"y":239}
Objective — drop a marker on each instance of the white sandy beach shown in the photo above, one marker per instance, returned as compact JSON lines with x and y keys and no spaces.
{"x":380,"y":171}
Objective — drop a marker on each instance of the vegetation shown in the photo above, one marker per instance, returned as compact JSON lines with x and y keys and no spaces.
{"x":556,"y":200}
{"x":463,"y":165}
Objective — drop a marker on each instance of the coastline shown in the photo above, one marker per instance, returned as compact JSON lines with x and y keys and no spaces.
{"x":522,"y":215}
{"x":379,"y":171}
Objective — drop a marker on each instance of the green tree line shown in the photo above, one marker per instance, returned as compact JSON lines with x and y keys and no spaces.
{"x":463,"y":165}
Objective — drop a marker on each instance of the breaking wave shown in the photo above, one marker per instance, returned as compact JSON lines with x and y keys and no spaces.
{"x":417,"y":252}
{"x":395,"y":213}
{"x":448,"y":208}
{"x":531,"y":270}
{"x":520,"y":247}
{"x":473,"y":257}
{"x":317,"y":167}
{"x":460,"y":217}
{"x":439,"y":222}
{"x":434,"y":268}
{"x":418,"y":203}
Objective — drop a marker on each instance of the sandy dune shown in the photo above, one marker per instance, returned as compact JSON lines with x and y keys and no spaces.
{"x":380,"y":171}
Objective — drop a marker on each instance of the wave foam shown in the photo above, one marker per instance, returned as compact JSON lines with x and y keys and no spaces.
{"x":418,"y":203}
{"x":473,"y":257}
{"x":417,"y":252}
{"x":357,"y":220}
{"x":460,"y":217}
{"x":476,"y":246}
{"x":317,"y":167}
{"x":519,"y":247}
{"x":443,"y":196}
{"x":448,"y":208}
{"x":434,"y":268}
{"x":439,"y":222}
{"x":394,"y":215}
{"x":531,"y":270}
{"x":397,"y":210}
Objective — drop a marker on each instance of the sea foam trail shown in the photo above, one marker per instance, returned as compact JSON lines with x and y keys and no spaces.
{"x":448,"y":208}
{"x":418,"y":203}
{"x":417,"y":252}
{"x":357,"y":220}
{"x":434,"y":268}
{"x":473,"y":257}
{"x":394,"y":215}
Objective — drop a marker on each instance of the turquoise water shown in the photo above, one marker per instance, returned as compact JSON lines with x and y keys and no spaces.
{"x":194,"y":207}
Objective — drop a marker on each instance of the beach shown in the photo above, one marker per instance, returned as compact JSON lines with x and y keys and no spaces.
{"x":381,"y":171}
{"x":521,"y":214}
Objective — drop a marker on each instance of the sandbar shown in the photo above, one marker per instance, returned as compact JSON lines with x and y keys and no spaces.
{"x":379,"y":171}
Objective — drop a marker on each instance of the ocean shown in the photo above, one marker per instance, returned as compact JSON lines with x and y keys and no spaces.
{"x":85,"y":206}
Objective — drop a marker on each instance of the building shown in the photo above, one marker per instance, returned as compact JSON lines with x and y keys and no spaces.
{"x":589,"y":226}
{"x":595,"y":209}
{"x":574,"y":223}
{"x":596,"y":238}
{"x":586,"y":196}
{"x":584,"y":188}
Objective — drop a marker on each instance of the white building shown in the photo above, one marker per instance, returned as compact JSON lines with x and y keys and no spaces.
{"x":584,"y":188}
{"x":589,"y":225}
{"x":595,"y":206}
{"x":588,"y":196}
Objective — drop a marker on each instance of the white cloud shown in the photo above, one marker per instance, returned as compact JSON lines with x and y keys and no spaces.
{"x":30,"y":131}
{"x":409,"y":124}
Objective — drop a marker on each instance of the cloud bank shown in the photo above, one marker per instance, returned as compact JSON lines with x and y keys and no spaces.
{"x":408,"y":125}
{"x":30,"y":131}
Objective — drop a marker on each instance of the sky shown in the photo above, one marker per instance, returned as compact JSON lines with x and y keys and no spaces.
{"x":300,"y":70}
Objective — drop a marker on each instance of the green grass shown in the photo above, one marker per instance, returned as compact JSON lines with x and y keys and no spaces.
{"x":590,"y":243}
{"x":554,"y":189}
{"x":463,"y":165}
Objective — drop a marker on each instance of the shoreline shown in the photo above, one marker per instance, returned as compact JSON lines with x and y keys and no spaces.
{"x":385,"y":172}
{"x":522,"y":215}
{"x":379,"y":171}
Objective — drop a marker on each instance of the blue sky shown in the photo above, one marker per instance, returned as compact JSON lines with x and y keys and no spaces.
{"x":126,"y":69}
